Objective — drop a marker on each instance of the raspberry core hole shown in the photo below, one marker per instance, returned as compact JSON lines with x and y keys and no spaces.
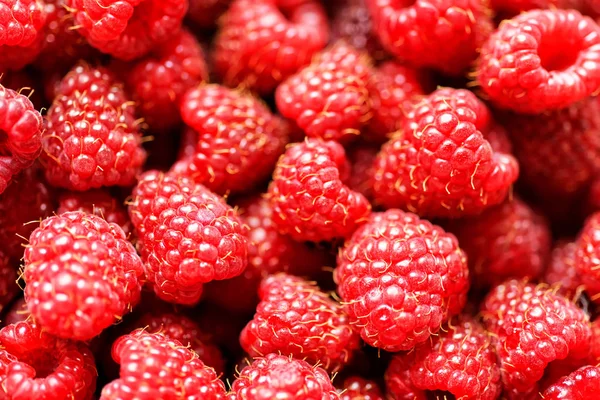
{"x":44,"y":362}
{"x":559,"y":50}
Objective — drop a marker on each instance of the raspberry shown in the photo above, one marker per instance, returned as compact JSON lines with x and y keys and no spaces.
{"x":97,"y":202}
{"x":158,"y":81}
{"x":541,"y":60}
{"x":205,"y":13}
{"x":362,"y":157}
{"x":310,"y":202}
{"x":8,"y":281}
{"x":280,"y":377}
{"x":21,"y":23}
{"x":442,"y":165}
{"x":238,"y":139}
{"x":357,"y":388}
{"x":329,"y":98}
{"x":561,"y":269}
{"x":154,"y":366}
{"x":508,"y":241}
{"x":188,"y":236}
{"x":459,"y":361}
{"x":262,"y":42}
{"x":82,"y":275}
{"x":128,"y":29}
{"x":444,"y":35}
{"x":586,"y":256}
{"x":18,"y":212}
{"x":594,"y":356}
{"x":20,"y":134}
{"x":36,"y":365}
{"x":400,"y":278}
{"x":580,"y":385}
{"x":394,"y":90}
{"x":296,"y":318}
{"x":533,"y":326}
{"x":91,"y":138}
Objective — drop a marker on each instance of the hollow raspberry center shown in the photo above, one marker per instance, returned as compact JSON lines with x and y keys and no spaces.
{"x":44,"y":363}
{"x":439,"y":395}
{"x":559,"y":50}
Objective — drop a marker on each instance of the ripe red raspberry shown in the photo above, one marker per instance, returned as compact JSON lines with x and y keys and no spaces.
{"x":444,"y":35}
{"x":582,"y":384}
{"x":82,"y":275}
{"x":541,"y":60}
{"x":281,"y":377}
{"x":19,"y":213}
{"x":400,"y":278}
{"x":357,"y":388}
{"x":533,"y":326}
{"x":262,"y":42}
{"x":460,"y":361}
{"x":441,"y":164}
{"x":8,"y":281}
{"x":238,"y":139}
{"x":362,"y":157}
{"x":158,"y":81}
{"x":394,"y":90}
{"x":97,"y":202}
{"x":507,"y":241}
{"x":561,"y":269}
{"x":587,"y":263}
{"x":128,"y":29}
{"x":206,"y":13}
{"x":309,"y":199}
{"x":329,"y":98}
{"x":296,"y":318}
{"x":36,"y":365}
{"x":188,"y":236}
{"x":21,"y":24}
{"x":91,"y":138}
{"x":155,"y":366}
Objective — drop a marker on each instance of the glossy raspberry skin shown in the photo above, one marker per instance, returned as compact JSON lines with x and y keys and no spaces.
{"x":158,"y":81}
{"x":188,"y":236}
{"x":586,"y":256}
{"x":206,"y":13}
{"x":82,"y":275}
{"x":309,"y":199}
{"x":277,"y":376}
{"x":22,"y":22}
{"x":238,"y":139}
{"x":461,"y":360}
{"x":295,"y":318}
{"x":580,"y":385}
{"x":443,"y":35}
{"x":36,"y":365}
{"x":400,"y":278}
{"x":329,"y":99}
{"x":155,"y":366}
{"x":441,"y":165}
{"x":91,"y":137}
{"x":357,"y":388}
{"x":508,"y":241}
{"x":262,"y":42}
{"x":541,"y":60}
{"x":533,"y":326}
{"x":561,"y":269}
{"x":128,"y":29}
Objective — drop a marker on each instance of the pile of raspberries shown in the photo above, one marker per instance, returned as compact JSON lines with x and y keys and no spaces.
{"x":299,"y":199}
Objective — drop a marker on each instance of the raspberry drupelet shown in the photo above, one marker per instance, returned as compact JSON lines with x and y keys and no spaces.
{"x":541,"y":60}
{"x":296,"y":318}
{"x":37,"y":365}
{"x":262,"y":42}
{"x":155,"y":366}
{"x":281,"y":377}
{"x":238,"y":139}
{"x":188,"y":236}
{"x":128,"y":29}
{"x":91,"y":137}
{"x":586,"y":259}
{"x":400,"y":278}
{"x":309,"y":198}
{"x":82,"y":275}
{"x":582,"y":384}
{"x":357,"y":388}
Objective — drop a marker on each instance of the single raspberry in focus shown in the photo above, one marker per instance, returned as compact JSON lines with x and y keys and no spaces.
{"x":541,"y":60}
{"x":281,"y":377}
{"x":400,"y":278}
{"x":561,"y":270}
{"x":37,"y":365}
{"x":205,"y":14}
{"x":238,"y":139}
{"x":309,"y":199}
{"x":81,"y":273}
{"x":297,"y":319}
{"x":444,"y":35}
{"x":329,"y":98}
{"x":262,"y":42}
{"x":533,"y":326}
{"x":459,"y":362}
{"x":156,"y":366}
{"x":582,"y":384}
{"x":441,"y":165}
{"x":128,"y":29}
{"x":188,"y":236}
{"x":587,"y":263}
{"x":357,"y":388}
{"x":91,"y":137}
